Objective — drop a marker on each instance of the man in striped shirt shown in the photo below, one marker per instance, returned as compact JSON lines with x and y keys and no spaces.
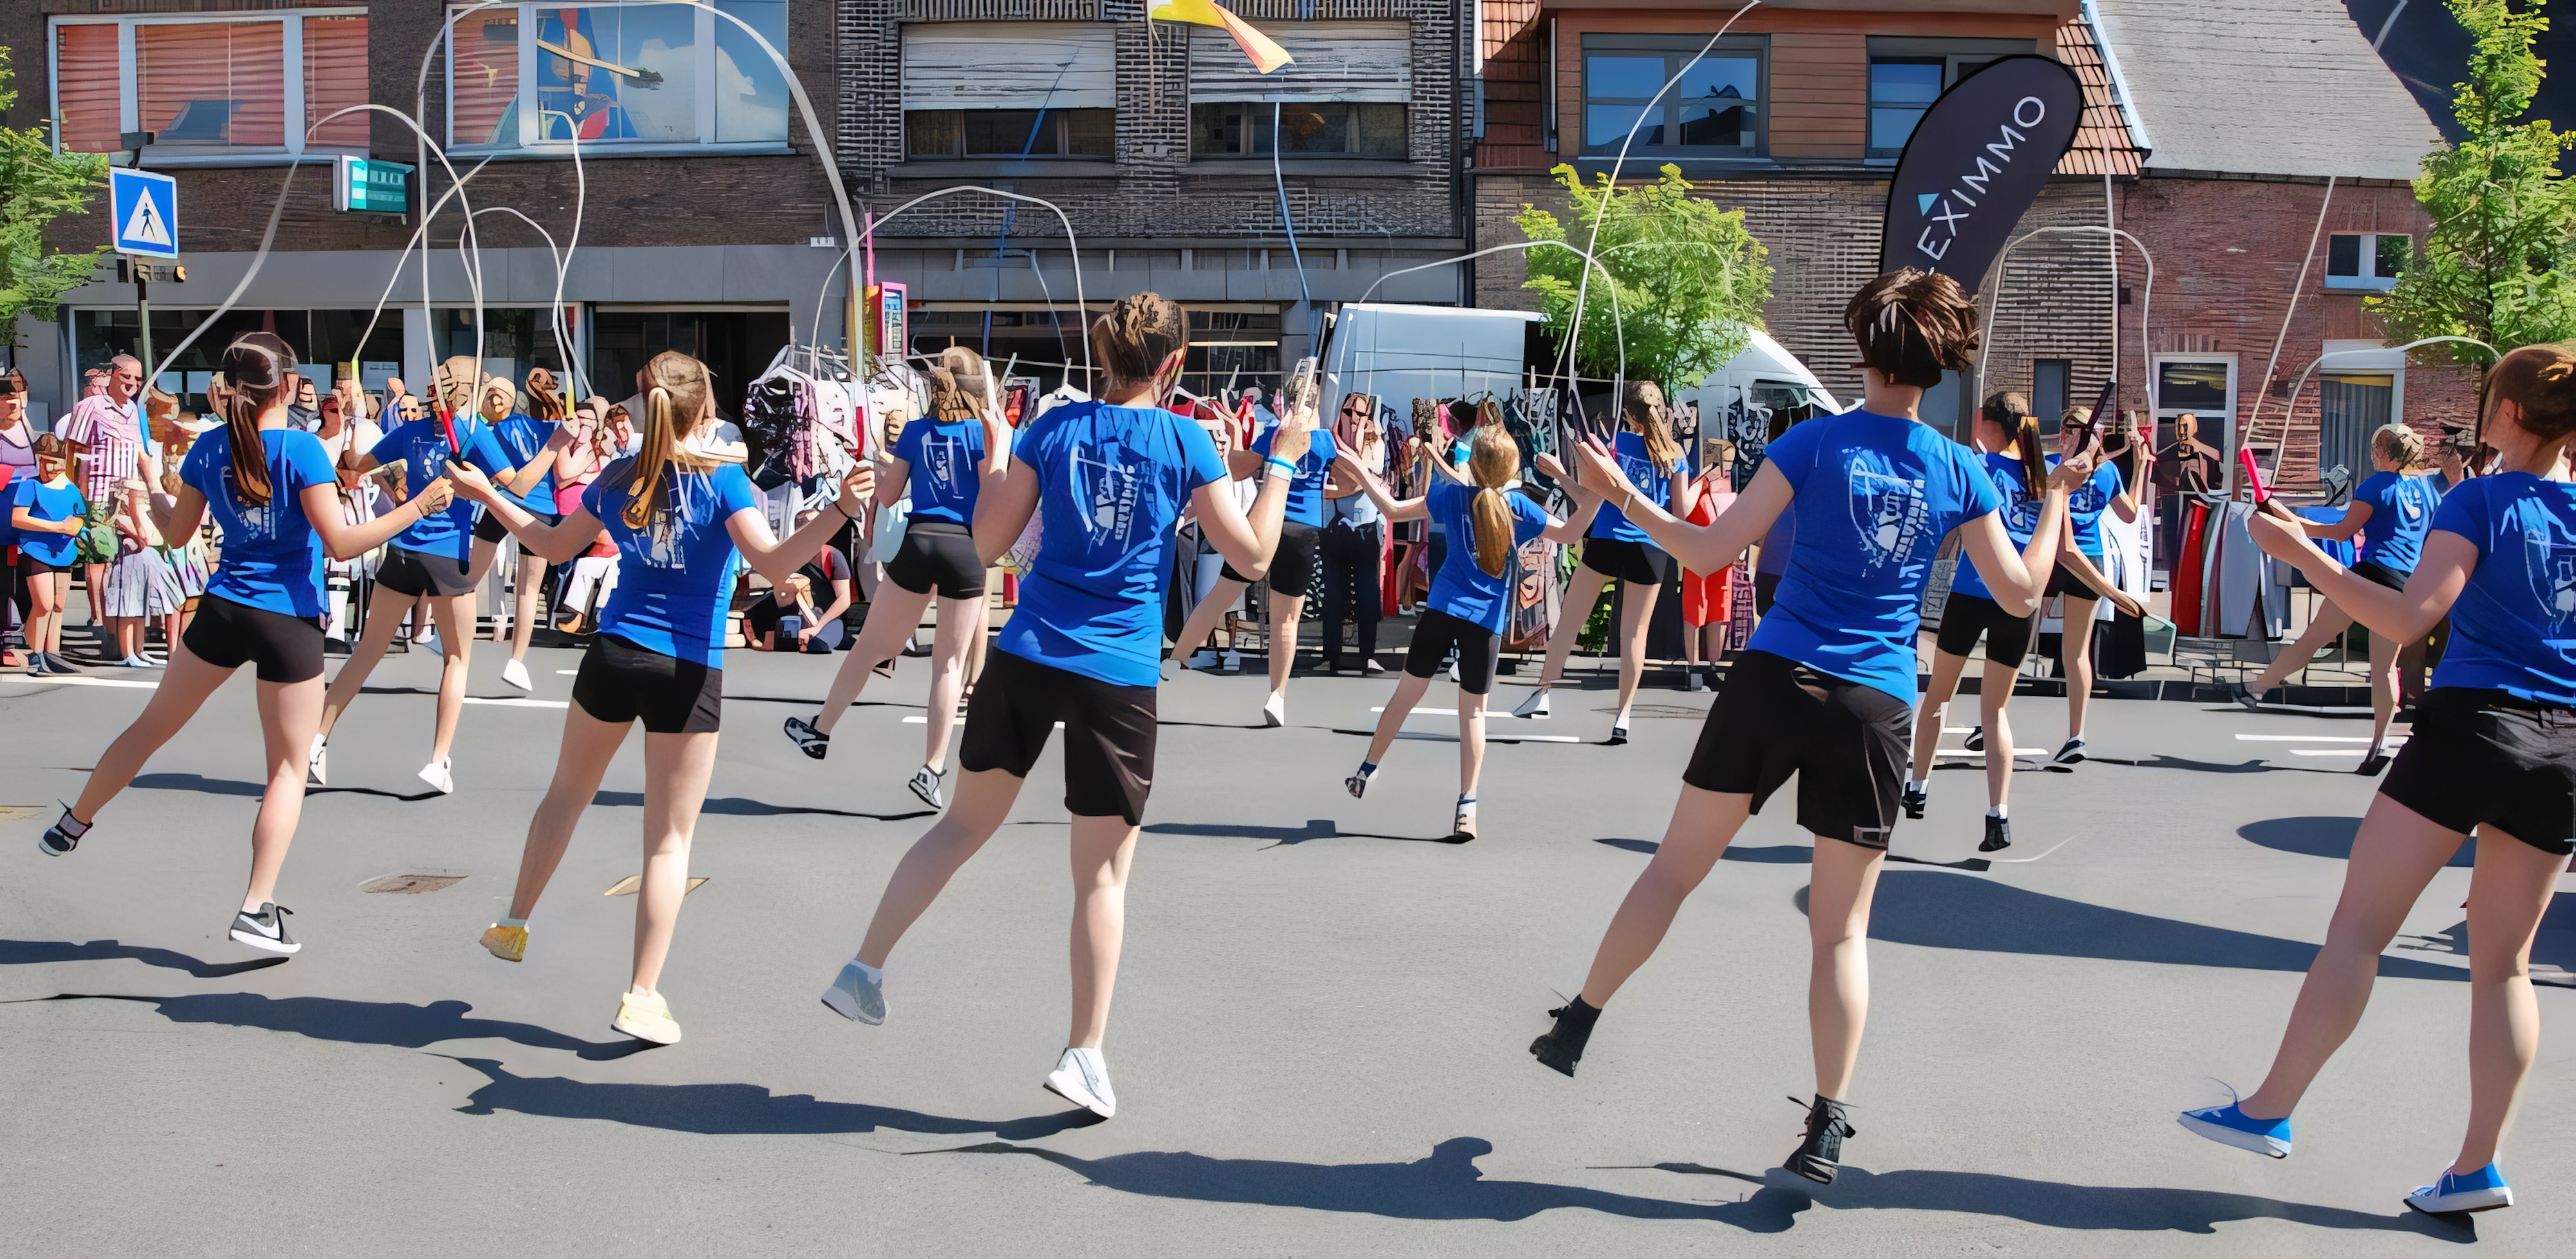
{"x":110,"y":433}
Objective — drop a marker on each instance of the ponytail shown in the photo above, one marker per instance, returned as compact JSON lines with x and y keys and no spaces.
{"x":1651,"y":420}
{"x":1136,"y":336}
{"x":676,"y":388}
{"x":2011,"y":413}
{"x":1492,"y":459}
{"x":543,"y":403}
{"x":2540,"y":380}
{"x":260,"y":369}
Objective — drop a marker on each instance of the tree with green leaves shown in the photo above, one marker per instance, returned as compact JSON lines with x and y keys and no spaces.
{"x":38,"y":185}
{"x":1680,"y":283}
{"x":2500,"y":263}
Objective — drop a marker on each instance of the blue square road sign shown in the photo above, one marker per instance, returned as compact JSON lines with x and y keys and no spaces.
{"x":145,"y":206}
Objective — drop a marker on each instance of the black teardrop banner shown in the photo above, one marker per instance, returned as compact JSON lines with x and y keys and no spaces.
{"x":1977,"y":160}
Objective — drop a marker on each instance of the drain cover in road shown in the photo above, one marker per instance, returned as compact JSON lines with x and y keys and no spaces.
{"x":410,"y":884}
{"x":632,"y":883}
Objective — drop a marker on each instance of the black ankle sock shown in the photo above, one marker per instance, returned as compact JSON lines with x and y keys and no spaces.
{"x":1576,"y":1016}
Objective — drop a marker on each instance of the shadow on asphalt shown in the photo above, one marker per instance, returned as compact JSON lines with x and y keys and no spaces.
{"x":1448,"y":1186}
{"x":232,"y":787}
{"x":1315,"y":828}
{"x":2326,"y":837}
{"x":38,"y":952}
{"x":1769,"y":854}
{"x":1944,"y":911}
{"x":365,"y":1022}
{"x":739,"y":806}
{"x":729,"y":1109}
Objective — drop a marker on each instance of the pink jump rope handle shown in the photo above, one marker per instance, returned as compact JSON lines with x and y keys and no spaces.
{"x":2254,"y":476}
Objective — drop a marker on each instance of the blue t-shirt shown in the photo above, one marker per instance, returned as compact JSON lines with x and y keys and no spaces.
{"x":1112,"y":483}
{"x":674,"y":575}
{"x":1462,"y":588}
{"x":1651,"y":482}
{"x":2401,"y":513}
{"x":423,"y":443}
{"x":2021,"y":519}
{"x":49,"y":502}
{"x":2514,"y":625}
{"x":946,"y":458}
{"x":523,"y":438}
{"x":1874,"y":495}
{"x":272,"y":557}
{"x":2086,"y":503}
{"x":1305,"y":490}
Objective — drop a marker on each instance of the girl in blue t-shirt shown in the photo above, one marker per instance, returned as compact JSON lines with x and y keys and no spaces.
{"x":1617,"y":549}
{"x":534,"y":440}
{"x":937,"y":467}
{"x":684,"y":524}
{"x":2392,"y":511}
{"x":2078,"y":578}
{"x":1084,"y":648}
{"x":1471,"y":595}
{"x":48,"y":511}
{"x":2493,"y":751}
{"x":1823,"y":690}
{"x":1292,"y":570}
{"x":2007,"y":436}
{"x":271,"y":490}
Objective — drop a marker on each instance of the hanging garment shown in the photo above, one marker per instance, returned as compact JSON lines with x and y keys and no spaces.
{"x":2187,"y":572}
{"x":1709,"y":600}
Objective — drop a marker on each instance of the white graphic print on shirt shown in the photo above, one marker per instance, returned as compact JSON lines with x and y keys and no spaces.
{"x":1110,"y":485}
{"x":2551,"y":567}
{"x":1888,"y":511}
{"x":939,"y":456}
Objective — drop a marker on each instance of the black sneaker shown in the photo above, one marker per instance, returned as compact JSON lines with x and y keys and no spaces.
{"x":1562,"y":1046}
{"x":2070,"y":753}
{"x":2244,"y":696}
{"x":63,"y":836}
{"x":54,"y":663}
{"x":1976,"y":740}
{"x":1820,"y":1156}
{"x":265,"y":929}
{"x":1914,"y":799}
{"x":1618,"y":735}
{"x":2372,"y":764}
{"x":810,"y":741}
{"x":1998,"y":834}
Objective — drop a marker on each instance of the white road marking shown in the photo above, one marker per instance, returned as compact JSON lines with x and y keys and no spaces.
{"x":519,"y":703}
{"x":918,"y":719}
{"x":2316,"y":738}
{"x":65,"y":679}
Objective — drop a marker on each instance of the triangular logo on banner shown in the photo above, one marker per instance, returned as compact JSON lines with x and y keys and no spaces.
{"x":1923,"y":202}
{"x":144,"y":226}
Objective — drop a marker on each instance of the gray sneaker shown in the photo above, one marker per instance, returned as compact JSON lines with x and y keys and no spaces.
{"x":855,"y":997}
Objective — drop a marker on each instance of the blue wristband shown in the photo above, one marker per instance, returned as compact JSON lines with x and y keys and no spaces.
{"x":1285,"y":469}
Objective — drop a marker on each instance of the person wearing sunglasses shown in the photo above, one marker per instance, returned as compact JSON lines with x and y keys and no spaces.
{"x":1354,"y":537}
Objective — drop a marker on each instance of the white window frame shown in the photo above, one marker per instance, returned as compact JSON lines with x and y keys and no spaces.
{"x":2371,"y":281}
{"x":2227,"y":422}
{"x":531,"y":129}
{"x":129,"y":114}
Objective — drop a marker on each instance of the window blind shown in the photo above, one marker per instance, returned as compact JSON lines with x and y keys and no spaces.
{"x":1010,"y":65}
{"x":1335,"y":61}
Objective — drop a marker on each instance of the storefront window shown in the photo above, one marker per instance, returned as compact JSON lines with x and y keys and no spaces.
{"x":212,"y":86}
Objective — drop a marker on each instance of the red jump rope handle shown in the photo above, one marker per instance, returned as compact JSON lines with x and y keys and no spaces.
{"x":2254,"y":475}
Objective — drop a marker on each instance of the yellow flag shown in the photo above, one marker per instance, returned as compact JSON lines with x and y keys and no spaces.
{"x":1264,"y":53}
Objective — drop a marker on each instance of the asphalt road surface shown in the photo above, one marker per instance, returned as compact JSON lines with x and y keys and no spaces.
{"x":1320,"y":1028}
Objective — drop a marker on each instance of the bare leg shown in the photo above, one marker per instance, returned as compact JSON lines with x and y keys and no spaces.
{"x":2508,"y":892}
{"x":1994,"y":692}
{"x":454,"y":616}
{"x":589,"y":744}
{"x":182,"y":691}
{"x":890,"y":621}
{"x":676,"y":770}
{"x":1838,"y":900}
{"x":983,"y":627}
{"x":2075,"y":652}
{"x":523,"y":624}
{"x":96,"y":588}
{"x":1704,"y":822}
{"x":1933,"y":709}
{"x":2330,"y":622}
{"x":1471,"y":742}
{"x":288,"y":714}
{"x":1286,"y":611}
{"x":384,"y":616}
{"x":1581,"y":594}
{"x":45,"y":596}
{"x":1408,"y":692}
{"x":1636,"y":615}
{"x":983,"y":800}
{"x":2393,"y":857}
{"x":2384,"y":658}
{"x":1209,"y":614}
{"x":1103,"y":847}
{"x":960,"y":620}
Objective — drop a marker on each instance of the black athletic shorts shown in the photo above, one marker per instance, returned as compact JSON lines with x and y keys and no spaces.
{"x":620,"y":683}
{"x":1292,"y":566}
{"x":2379,"y":574}
{"x":1478,"y":648}
{"x":2485,"y":758}
{"x":2008,"y":637}
{"x":31,"y":566}
{"x":229,"y":635}
{"x":937,"y":555}
{"x":1640,"y":562}
{"x":415,"y":573}
{"x":1847,"y":743}
{"x":1108,"y":733}
{"x":2063,"y":581}
{"x":490,"y":528}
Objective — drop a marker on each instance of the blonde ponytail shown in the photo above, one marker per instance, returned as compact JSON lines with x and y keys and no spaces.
{"x":678,"y":394}
{"x":1492,"y":459}
{"x":1651,"y":420}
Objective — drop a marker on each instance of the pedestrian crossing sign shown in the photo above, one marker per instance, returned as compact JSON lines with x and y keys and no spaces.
{"x":145,"y":205}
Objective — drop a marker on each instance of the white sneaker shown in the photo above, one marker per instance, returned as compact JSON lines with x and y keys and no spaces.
{"x":515,"y":672}
{"x":429,"y":642}
{"x":1233,"y":661}
{"x":1274,"y":711}
{"x":856,"y":997}
{"x":1534,"y":706}
{"x":925,"y":784}
{"x":437,"y":775}
{"x":316,"y":762}
{"x":1203,"y":658}
{"x":135,"y":662}
{"x":1082,"y":1078}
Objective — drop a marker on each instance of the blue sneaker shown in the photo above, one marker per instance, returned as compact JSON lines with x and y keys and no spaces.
{"x":2480,"y":1190}
{"x":2229,"y":1126}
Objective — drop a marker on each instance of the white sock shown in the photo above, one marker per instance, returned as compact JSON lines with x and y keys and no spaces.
{"x":874,"y":975}
{"x":512,"y":922}
{"x":1995,"y":811}
{"x":1466,"y":806}
{"x":1099,"y":1064}
{"x":1917,"y":784}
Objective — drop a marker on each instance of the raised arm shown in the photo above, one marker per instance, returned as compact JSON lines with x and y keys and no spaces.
{"x":1701,"y":548}
{"x":1367,"y":483}
{"x":1587,"y":504}
{"x":1003,"y":504}
{"x":1248,"y":541}
{"x":778,"y":560}
{"x":2355,"y":514}
{"x":345,"y":541}
{"x":2019,"y":579}
{"x":557,"y":543}
{"x":2406,"y":615}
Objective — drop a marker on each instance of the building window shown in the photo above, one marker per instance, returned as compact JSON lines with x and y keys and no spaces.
{"x":534,"y":76}
{"x":2051,"y":381}
{"x":2367,"y":260}
{"x":212,"y":87}
{"x":1231,"y":347}
{"x":1010,"y":90}
{"x":1305,"y":129}
{"x":1343,"y":96}
{"x":1907,"y":74}
{"x":1713,"y":110}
